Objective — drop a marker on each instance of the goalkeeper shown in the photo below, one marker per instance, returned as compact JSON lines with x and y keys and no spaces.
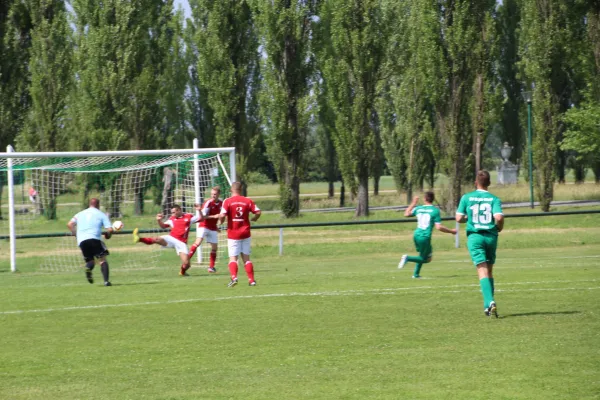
{"x":87,"y":225}
{"x":428,"y":216}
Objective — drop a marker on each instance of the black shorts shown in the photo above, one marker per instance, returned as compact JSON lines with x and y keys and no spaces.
{"x":93,"y":248}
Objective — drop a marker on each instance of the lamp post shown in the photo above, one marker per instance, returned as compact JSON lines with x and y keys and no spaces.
{"x":528,"y":96}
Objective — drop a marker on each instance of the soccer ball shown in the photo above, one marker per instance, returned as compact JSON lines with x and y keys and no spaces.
{"x":117,"y":225}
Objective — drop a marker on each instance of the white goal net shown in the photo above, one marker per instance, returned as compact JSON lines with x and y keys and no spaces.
{"x":48,"y":189}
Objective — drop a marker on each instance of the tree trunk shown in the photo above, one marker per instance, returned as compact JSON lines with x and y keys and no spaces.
{"x":167,"y":193}
{"x":330,"y":192}
{"x":596,"y":169}
{"x":362,"y":206}
{"x":342,"y":195}
{"x":561,"y":166}
{"x":409,"y":183}
{"x":290,"y":188}
{"x":580,"y":172}
{"x":376,"y":185}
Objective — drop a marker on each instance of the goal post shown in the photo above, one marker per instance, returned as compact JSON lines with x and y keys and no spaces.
{"x":45,"y":189}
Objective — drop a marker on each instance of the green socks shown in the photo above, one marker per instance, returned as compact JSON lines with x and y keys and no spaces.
{"x":487,"y":291}
{"x":417,"y":269}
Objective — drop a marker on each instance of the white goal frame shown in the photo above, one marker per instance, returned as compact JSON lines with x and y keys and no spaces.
{"x":11,"y":154}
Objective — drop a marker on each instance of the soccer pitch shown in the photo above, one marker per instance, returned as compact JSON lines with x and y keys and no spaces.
{"x":331,"y":319}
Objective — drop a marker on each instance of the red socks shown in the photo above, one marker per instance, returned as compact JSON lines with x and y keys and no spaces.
{"x":192,"y":250}
{"x":249,"y":270}
{"x":233,"y":269}
{"x":147,"y":240}
{"x":184,"y":268}
{"x":213,"y":258}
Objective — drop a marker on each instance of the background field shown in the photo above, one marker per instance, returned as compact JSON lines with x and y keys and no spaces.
{"x":331,"y":319}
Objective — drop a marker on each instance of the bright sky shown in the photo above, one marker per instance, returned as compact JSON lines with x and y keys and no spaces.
{"x":187,"y":12}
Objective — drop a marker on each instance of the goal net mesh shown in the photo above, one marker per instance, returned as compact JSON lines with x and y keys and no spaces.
{"x":48,"y":192}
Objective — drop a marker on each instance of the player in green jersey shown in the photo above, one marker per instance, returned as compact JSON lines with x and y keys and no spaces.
{"x":482,"y":211}
{"x":428,"y":216}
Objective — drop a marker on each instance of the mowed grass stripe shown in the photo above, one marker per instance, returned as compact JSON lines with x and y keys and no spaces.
{"x":416,"y":289}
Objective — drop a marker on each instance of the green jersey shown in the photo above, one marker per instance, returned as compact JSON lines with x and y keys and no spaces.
{"x":480,"y":207}
{"x":427,"y":217}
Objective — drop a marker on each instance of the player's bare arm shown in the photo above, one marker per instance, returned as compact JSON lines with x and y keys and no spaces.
{"x":256,"y":216}
{"x":159,"y":219}
{"x":221,"y":218}
{"x":201,"y":216}
{"x":499,"y":221}
{"x":461,"y":218}
{"x":411,"y":207}
{"x":442,"y":228}
{"x":71,"y":225}
{"x":108,"y":233}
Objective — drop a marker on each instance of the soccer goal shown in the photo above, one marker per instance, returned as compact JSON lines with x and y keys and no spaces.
{"x":45,"y":190}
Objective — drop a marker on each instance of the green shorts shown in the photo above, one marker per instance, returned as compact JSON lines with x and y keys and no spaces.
{"x":482,"y":247}
{"x":423,"y":246}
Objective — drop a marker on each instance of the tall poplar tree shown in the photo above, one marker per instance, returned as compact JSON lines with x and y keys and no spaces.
{"x":508,"y":19}
{"x":227,"y":63}
{"x":285,"y":28}
{"x":452,"y":35}
{"x":15,"y":41}
{"x":407,"y":126}
{"x":352,"y":65}
{"x":550,"y":32}
{"x":50,"y":68}
{"x":123,"y":58}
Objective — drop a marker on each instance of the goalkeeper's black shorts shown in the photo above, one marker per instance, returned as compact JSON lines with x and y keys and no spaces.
{"x":93,"y":248}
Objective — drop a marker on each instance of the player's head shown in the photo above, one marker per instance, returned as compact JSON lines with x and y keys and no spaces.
{"x":429,"y":197}
{"x":94,"y":203}
{"x":215,"y":192}
{"x":483,"y":179}
{"x":236,"y":188}
{"x":176,"y":211}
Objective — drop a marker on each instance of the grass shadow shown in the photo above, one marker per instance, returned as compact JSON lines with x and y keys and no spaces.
{"x":528,"y":314}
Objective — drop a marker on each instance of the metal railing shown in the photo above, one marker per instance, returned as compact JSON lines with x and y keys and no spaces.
{"x":281,"y":227}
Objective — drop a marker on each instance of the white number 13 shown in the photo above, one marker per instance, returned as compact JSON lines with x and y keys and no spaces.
{"x":482,"y":213}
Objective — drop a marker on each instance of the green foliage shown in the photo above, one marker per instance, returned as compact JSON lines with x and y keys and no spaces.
{"x":227,"y":66}
{"x":583,"y":129}
{"x":354,"y":38}
{"x":287,"y":68}
{"x":257,"y":178}
{"x":50,"y":68}
{"x":547,"y":51}
{"x":15,"y":42}
{"x":129,"y":91}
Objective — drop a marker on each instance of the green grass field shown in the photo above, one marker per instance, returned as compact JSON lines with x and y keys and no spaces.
{"x":333,"y":318}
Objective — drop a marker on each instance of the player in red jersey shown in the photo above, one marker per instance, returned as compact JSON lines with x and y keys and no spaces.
{"x":237,"y":209}
{"x":179,"y":222}
{"x":208,"y":228}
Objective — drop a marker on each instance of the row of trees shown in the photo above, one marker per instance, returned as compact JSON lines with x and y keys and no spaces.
{"x":345,"y":87}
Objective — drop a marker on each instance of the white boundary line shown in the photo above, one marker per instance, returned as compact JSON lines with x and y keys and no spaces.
{"x":387,"y":291}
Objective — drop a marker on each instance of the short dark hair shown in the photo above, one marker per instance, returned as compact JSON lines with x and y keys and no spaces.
{"x":94,"y":202}
{"x":483,"y":178}
{"x":236,"y":187}
{"x":429,"y":197}
{"x":176,"y":206}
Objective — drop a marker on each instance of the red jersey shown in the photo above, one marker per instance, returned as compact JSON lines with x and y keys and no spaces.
{"x":180,"y":227}
{"x":211,"y":207}
{"x":237,"y":209}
